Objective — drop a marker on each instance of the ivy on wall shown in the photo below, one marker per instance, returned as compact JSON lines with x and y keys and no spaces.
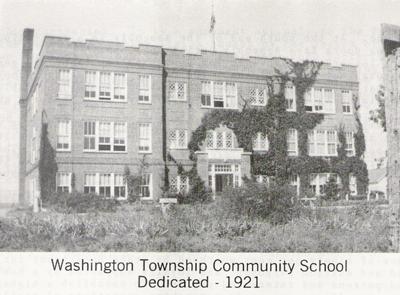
{"x":275,"y":121}
{"x":47,"y":165}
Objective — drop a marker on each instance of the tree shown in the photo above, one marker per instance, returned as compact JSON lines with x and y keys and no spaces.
{"x":331,"y":189}
{"x":378,"y":115}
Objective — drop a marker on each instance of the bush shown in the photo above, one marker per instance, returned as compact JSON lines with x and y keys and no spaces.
{"x":198,"y":193}
{"x":81,"y":203}
{"x":331,"y":190}
{"x":273,"y":202}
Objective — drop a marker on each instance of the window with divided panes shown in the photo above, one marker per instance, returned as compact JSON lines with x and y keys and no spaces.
{"x":177,"y":91}
{"x":178,"y":139}
{"x":258,"y":97}
{"x":260,"y":142}
{"x":64,"y":135}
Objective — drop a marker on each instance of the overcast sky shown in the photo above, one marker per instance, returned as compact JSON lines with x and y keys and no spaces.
{"x":339,"y":32}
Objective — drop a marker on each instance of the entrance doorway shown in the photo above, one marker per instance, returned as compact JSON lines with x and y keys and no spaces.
{"x":223,"y":181}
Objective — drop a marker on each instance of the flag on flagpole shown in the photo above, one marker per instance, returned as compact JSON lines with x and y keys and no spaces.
{"x":212,"y":23}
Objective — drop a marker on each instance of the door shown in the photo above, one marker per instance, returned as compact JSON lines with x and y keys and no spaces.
{"x":222,"y":181}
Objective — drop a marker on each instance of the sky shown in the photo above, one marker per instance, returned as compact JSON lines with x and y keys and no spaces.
{"x":337,"y":32}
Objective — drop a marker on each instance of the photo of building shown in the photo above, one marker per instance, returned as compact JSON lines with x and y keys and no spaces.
{"x":107,"y":106}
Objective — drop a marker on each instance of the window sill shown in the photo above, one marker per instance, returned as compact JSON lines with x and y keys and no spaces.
{"x":107,"y":101}
{"x":145,"y":152}
{"x":216,"y":108}
{"x":63,"y":98}
{"x":63,"y":151}
{"x":146,"y":199}
{"x":178,"y":148}
{"x":104,"y":152}
{"x":323,"y":113}
{"x":144,"y":102}
{"x":292,"y":111}
{"x":178,"y":100}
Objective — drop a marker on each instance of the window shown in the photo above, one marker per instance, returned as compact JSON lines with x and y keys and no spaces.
{"x":210,"y":139}
{"x":223,"y":168}
{"x":220,"y":139}
{"x":332,"y":144}
{"x":120,"y":133}
{"x":119,"y":186}
{"x":144,"y":138}
{"x":178,"y":139}
{"x":105,"y":86}
{"x":294,"y":181}
{"x":63,"y":182}
{"x":318,"y":182}
{"x":263,"y":179}
{"x":230,"y":95}
{"x":319,"y":100}
{"x":308,"y":100}
{"x":104,"y":136}
{"x":346,"y":101}
{"x":179,"y":184}
{"x":349,"y":144}
{"x":206,"y":93}
{"x":105,"y":185}
{"x":64,"y":135}
{"x":260,"y":142}
{"x":320,"y":140}
{"x":290,"y":96}
{"x":34,"y":99}
{"x":352,"y":184}
{"x":34,"y":146}
{"x":90,"y":85}
{"x":64,"y":84}
{"x":109,"y":185}
{"x":144,"y":89}
{"x":119,"y":86}
{"x":145,"y":186}
{"x":258,"y":97}
{"x":218,"y":94}
{"x":229,"y":140}
{"x":322,"y":143}
{"x":89,"y":137}
{"x":292,"y":142}
{"x":177,"y":91}
{"x":90,"y":183}
{"x":329,"y":101}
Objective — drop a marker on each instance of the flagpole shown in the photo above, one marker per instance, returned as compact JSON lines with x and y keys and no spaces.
{"x":214,"y":26}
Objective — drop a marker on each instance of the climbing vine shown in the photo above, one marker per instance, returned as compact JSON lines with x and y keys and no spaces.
{"x":47,"y":165}
{"x":275,"y":121}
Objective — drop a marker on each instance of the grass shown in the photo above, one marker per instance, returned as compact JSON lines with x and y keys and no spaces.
{"x":195,"y":228}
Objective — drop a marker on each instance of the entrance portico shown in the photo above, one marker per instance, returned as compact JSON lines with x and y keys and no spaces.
{"x":220,"y":169}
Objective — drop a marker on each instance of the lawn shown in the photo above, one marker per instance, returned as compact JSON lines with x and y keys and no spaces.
{"x":195,"y":228}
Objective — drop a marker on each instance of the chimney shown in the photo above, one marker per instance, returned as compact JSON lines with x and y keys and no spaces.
{"x":26,"y":68}
{"x":26,"y":65}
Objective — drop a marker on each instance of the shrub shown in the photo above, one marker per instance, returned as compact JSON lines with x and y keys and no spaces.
{"x":80,"y":203}
{"x":273,"y":202}
{"x":331,"y":190}
{"x":198,"y":193}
